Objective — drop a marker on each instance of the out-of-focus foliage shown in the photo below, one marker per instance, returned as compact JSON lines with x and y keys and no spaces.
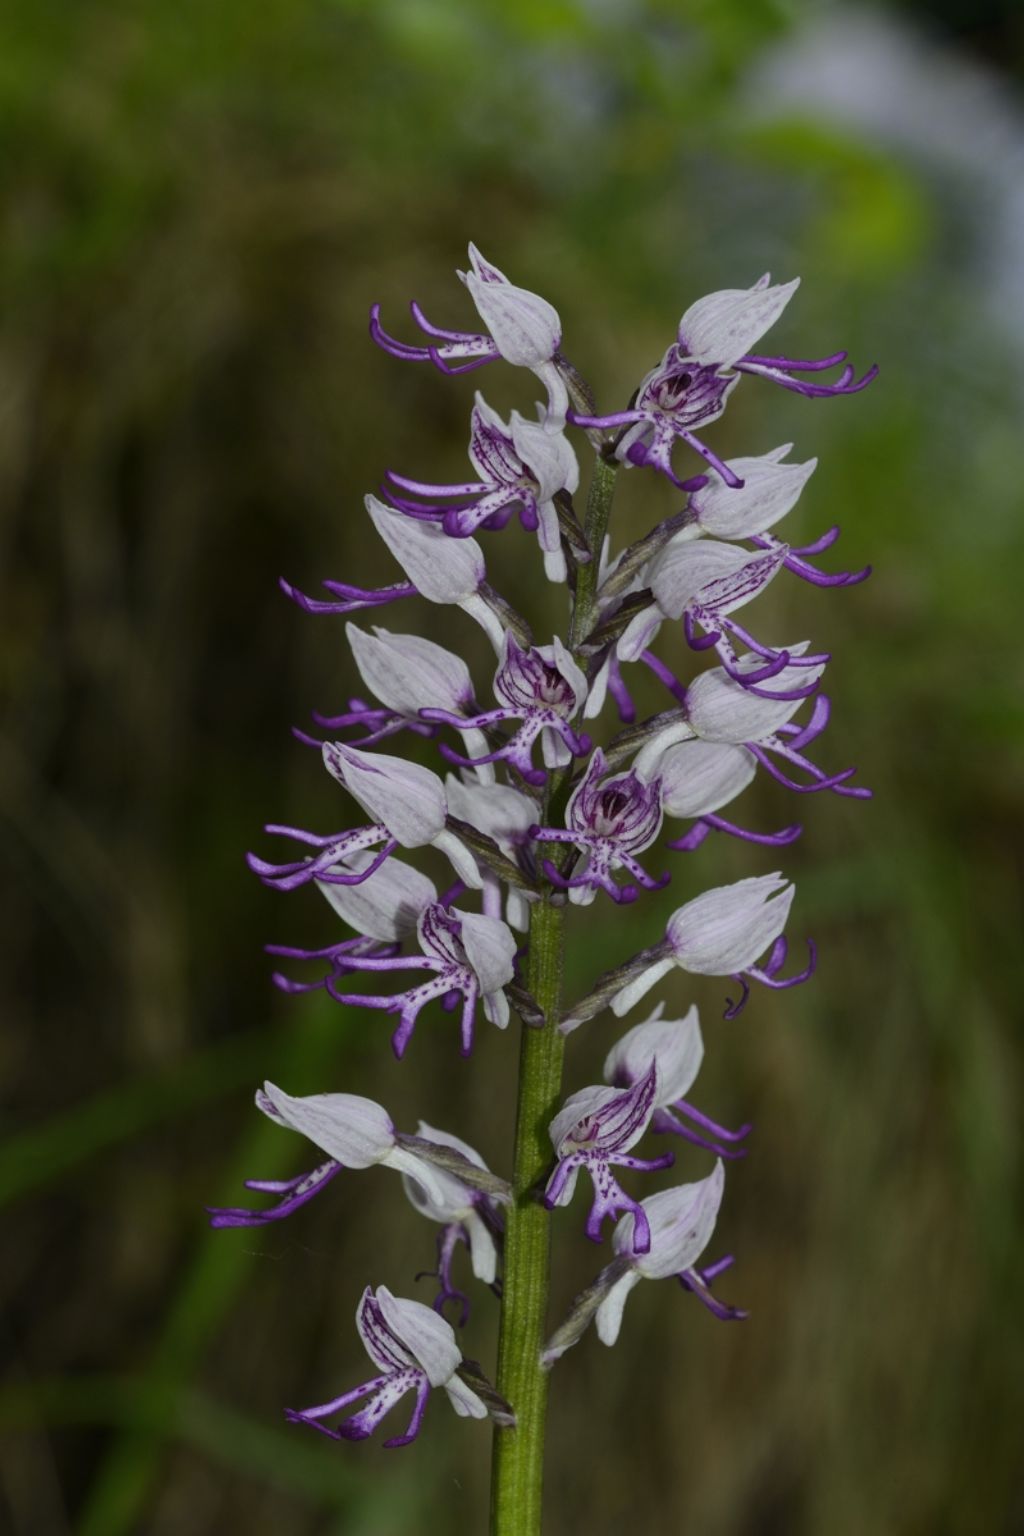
{"x":200,"y":203}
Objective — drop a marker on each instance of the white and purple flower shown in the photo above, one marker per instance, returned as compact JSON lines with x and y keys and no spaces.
{"x":721,"y":711}
{"x":593,"y":1132}
{"x":446,"y":571}
{"x":471,"y":956}
{"x":402,"y":672}
{"x":675,"y":1047}
{"x":466,"y":1214}
{"x":524,"y":330}
{"x":522,"y":466}
{"x":691,"y":385}
{"x":680,"y":1223}
{"x":609,"y":819}
{"x":414,"y":1350}
{"x":722,"y":933}
{"x":410,"y":810}
{"x":544,"y":689}
{"x":697,"y":779}
{"x":703,"y":582}
{"x":353,"y":1131}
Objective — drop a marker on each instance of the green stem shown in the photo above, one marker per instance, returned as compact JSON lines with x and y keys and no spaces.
{"x":518,"y":1465}
{"x":517,"y":1475}
{"x":595,"y":526}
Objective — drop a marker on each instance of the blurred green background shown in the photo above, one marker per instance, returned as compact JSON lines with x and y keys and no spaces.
{"x":201,"y":201}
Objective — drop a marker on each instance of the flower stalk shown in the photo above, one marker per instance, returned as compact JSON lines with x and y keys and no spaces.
{"x":517,"y":1467}
{"x":599,"y":511}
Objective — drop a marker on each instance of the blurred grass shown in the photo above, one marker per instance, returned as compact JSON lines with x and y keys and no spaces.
{"x":200,"y":204}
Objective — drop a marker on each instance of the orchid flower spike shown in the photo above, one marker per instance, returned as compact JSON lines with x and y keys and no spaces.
{"x":594,"y":1130}
{"x":414,"y":1350}
{"x":691,"y":385}
{"x":680,"y":1222}
{"x":544,"y":688}
{"x":471,"y":955}
{"x":524,"y":330}
{"x":530,"y":828}
{"x":467,"y":1215}
{"x":523,"y":465}
{"x":675,"y":1048}
{"x":610,"y":820}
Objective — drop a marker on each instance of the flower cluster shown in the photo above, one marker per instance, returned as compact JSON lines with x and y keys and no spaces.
{"x":532,"y":816}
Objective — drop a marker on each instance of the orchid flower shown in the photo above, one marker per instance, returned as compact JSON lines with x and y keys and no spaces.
{"x":353,"y":1131}
{"x":443,"y":570}
{"x":544,"y":688}
{"x":403,"y":672}
{"x":675,"y":1047}
{"x":722,"y":933}
{"x":610,"y":820}
{"x":524,"y":330}
{"x":384,"y":909}
{"x":415,"y":1350}
{"x":523,"y":465}
{"x":410,"y":811}
{"x":680,"y":1223}
{"x":594,"y":1131}
{"x":467,"y":1215}
{"x":703,"y":583}
{"x":469,"y":954}
{"x":718,"y":709}
{"x":691,"y":385}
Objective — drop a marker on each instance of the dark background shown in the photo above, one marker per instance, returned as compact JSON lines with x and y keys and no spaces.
{"x":201,"y":201}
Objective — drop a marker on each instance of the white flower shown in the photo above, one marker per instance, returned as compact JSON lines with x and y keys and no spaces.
{"x":682,"y":1221}
{"x":720,"y":933}
{"x":720,"y":328}
{"x":387,"y":905}
{"x":457,"y":1204}
{"x":699,"y":777}
{"x":724,"y":930}
{"x":526,"y":329}
{"x":404,"y":797}
{"x":358,"y":1132}
{"x":442,"y":570}
{"x":704,"y":577}
{"x":674,"y":1045}
{"x":770,"y":489}
{"x":719,"y":709}
{"x":406,"y":672}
